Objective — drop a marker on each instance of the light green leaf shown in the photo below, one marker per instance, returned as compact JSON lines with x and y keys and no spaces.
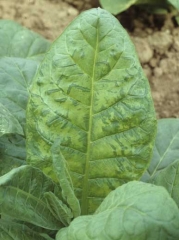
{"x":12,"y":152}
{"x":133,"y":211}
{"x":17,"y":41}
{"x":60,"y":211}
{"x":174,"y":3}
{"x":91,"y":93}
{"x":16,"y":75}
{"x":61,"y":169}
{"x":169,"y":178}
{"x":14,"y":231}
{"x":166,"y":149}
{"x":117,"y":6}
{"x":8,"y":123}
{"x":21,"y":197}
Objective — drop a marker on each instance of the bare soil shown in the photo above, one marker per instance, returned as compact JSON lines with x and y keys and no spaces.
{"x":156,"y":39}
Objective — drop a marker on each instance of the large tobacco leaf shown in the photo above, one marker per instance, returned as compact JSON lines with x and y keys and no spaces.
{"x":22,"y":197}
{"x":90,"y":91}
{"x":133,"y":211}
{"x":17,"y":41}
{"x":166,"y":148}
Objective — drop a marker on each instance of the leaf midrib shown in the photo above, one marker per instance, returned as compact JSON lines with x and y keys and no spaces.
{"x":85,"y":190}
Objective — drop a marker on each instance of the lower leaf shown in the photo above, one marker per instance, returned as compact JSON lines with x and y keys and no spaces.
{"x":21,"y":197}
{"x":133,"y":211}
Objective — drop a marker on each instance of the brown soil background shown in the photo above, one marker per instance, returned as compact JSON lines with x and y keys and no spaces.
{"x":156,"y":39}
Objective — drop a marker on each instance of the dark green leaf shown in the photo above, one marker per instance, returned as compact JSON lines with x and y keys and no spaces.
{"x":12,"y":152}
{"x":60,"y":211}
{"x":21,"y":197}
{"x":14,"y":231}
{"x":8,"y":123}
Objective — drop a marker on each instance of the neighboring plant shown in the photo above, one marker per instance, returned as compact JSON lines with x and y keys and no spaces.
{"x":89,"y":135}
{"x":156,"y":6}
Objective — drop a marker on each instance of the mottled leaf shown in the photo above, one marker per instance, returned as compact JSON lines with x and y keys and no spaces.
{"x":133,"y":211}
{"x":21,"y":197}
{"x":91,"y":92}
{"x":17,"y":41}
{"x":166,"y":148}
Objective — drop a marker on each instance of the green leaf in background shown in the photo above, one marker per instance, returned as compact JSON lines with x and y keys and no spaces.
{"x":14,"y":231}
{"x":17,"y":41}
{"x":174,"y":3}
{"x":166,"y":149}
{"x":133,"y":211}
{"x":116,"y":6}
{"x":91,"y":93}
{"x":12,"y":152}
{"x":153,"y":6}
{"x":8,"y":123}
{"x":169,"y":178}
{"x":16,"y":75}
{"x":21,"y":197}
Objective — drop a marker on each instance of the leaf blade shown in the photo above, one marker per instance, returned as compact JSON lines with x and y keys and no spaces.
{"x":98,"y":103}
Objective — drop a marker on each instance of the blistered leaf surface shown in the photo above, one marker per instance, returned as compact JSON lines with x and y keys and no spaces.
{"x":133,"y":211}
{"x":90,"y":91}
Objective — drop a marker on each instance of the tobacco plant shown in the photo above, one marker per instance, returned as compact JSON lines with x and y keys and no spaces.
{"x":77,"y":130}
